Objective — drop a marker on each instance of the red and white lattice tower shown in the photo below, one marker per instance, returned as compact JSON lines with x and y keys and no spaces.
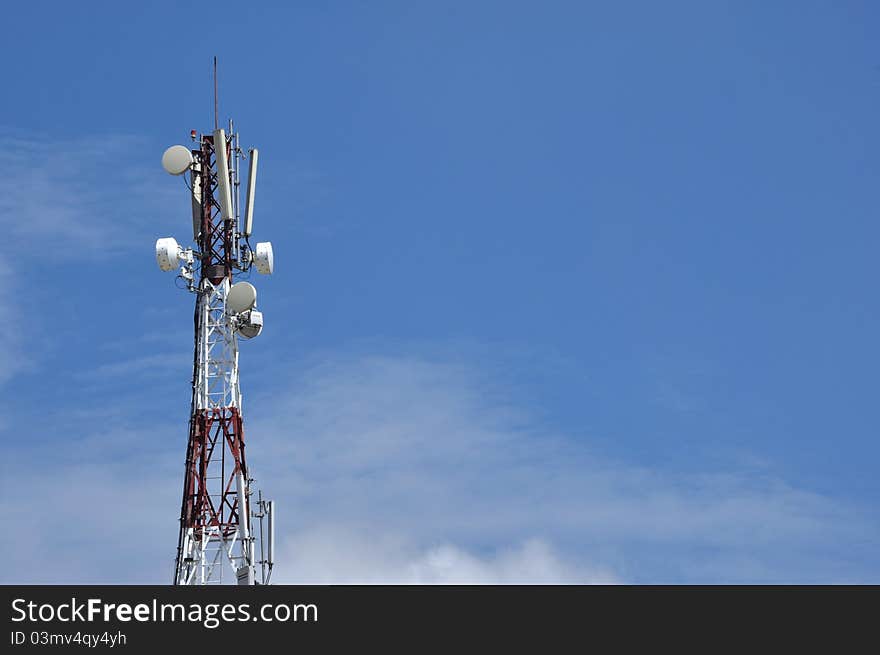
{"x":222,"y":520}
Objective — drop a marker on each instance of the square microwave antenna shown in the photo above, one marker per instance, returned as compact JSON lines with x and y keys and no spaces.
{"x":264,"y":259}
{"x":242,"y":296}
{"x":177,"y":160}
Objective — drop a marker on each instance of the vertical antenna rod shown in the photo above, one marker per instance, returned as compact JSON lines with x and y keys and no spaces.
{"x":216,"y":124}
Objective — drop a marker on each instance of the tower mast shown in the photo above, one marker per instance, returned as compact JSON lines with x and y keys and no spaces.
{"x":218,"y":537}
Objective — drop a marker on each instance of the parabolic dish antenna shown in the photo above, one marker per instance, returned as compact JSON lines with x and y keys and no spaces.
{"x":167,"y":253}
{"x":177,"y":160}
{"x":242,"y":296}
{"x":252,"y":326}
{"x":264,"y":259}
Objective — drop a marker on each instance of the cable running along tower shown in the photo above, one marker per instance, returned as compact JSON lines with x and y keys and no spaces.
{"x":226,"y":529}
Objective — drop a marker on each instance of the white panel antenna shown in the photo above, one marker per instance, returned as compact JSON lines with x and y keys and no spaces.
{"x":195,"y":178}
{"x":223,"y":186}
{"x":251,"y":190}
{"x":270,"y":555}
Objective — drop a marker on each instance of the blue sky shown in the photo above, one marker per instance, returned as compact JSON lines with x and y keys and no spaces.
{"x":563,"y":291}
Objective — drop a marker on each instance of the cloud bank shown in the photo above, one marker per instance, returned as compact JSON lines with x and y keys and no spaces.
{"x":433,"y":454}
{"x":334,"y":555}
{"x":402,"y":469}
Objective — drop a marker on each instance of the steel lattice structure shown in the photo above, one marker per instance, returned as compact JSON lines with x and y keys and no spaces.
{"x":221,"y":522}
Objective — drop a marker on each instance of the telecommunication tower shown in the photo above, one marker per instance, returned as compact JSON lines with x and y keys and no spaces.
{"x":222,"y":519}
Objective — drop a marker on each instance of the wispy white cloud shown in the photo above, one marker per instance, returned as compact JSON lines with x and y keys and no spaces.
{"x":334,"y":555}
{"x":141,"y":366}
{"x":65,"y":202}
{"x":398,"y":469}
{"x":97,"y":508}
{"x":432,"y":451}
{"x":80,"y":196}
{"x":13,"y":356}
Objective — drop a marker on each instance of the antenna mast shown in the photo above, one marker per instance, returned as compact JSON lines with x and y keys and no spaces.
{"x":216,"y":123}
{"x":219,"y":510}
